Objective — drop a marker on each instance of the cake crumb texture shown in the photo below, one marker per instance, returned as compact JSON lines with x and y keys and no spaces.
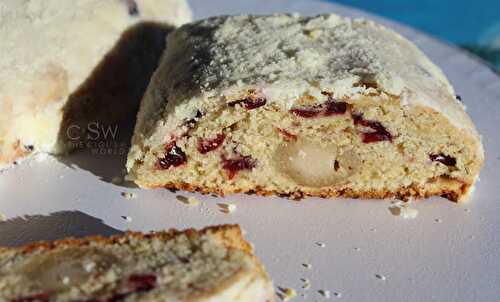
{"x":213,"y":264}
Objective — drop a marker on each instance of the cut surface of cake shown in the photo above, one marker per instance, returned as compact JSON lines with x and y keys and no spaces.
{"x":69,"y":65}
{"x":213,"y":264}
{"x":302,"y":106}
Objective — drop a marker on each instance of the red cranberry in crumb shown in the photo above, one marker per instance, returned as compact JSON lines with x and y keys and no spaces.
{"x":174,"y":157}
{"x":444,"y":159}
{"x":40,"y":297}
{"x":142,"y":282}
{"x":334,"y":108}
{"x":307,"y":112}
{"x":118,"y":297}
{"x":234,"y":165}
{"x":376,"y":137}
{"x":331,"y":107}
{"x":379,"y":133}
{"x":287,"y":135}
{"x":250,"y":103}
{"x":207,"y":145}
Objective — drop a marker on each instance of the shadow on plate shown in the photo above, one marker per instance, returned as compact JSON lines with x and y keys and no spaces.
{"x":106,"y":160}
{"x":28,"y":229}
{"x":99,"y":117}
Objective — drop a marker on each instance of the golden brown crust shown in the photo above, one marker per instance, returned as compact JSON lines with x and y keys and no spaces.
{"x":451,"y":189}
{"x":229,"y":234}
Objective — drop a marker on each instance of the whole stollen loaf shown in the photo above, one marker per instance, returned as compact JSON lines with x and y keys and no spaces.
{"x":67,"y":64}
{"x":302,"y":106}
{"x":214,"y":264}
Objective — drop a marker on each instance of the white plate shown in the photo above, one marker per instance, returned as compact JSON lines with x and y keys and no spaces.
{"x":456,"y":259}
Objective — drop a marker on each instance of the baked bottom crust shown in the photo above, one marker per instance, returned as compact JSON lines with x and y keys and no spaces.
{"x":213,"y":264}
{"x":451,"y":189}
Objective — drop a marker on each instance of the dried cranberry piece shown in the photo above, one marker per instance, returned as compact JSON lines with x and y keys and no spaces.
{"x":234,"y":165}
{"x":379,"y":133}
{"x":207,"y":145}
{"x":40,"y":297}
{"x":255,"y":103}
{"x":174,"y":157}
{"x":376,"y":137}
{"x":357,"y":118}
{"x":142,"y":282}
{"x":329,"y":108}
{"x":288,"y":136}
{"x":334,"y":108}
{"x":118,"y":297}
{"x":307,"y":112}
{"x":444,"y":159}
{"x":250,"y":103}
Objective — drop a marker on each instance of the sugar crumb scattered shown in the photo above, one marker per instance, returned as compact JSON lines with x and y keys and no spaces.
{"x":403,"y":210}
{"x":227,"y":207}
{"x":409,"y":213}
{"x":307,"y":283}
{"x":307,"y":265}
{"x":127,"y":218}
{"x":287,"y":294}
{"x":193,"y":201}
{"x":380,"y":277}
{"x":320,"y":244}
{"x":128,"y":195}
{"x":190,"y":201}
{"x":324,"y":293}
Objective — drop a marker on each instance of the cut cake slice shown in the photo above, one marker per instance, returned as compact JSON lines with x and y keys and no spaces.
{"x":214,"y":264}
{"x":320,"y":106}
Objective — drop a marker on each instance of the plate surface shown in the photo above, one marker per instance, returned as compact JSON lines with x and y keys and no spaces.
{"x":449,"y":252}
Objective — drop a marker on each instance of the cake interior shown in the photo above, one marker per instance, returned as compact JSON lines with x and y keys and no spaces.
{"x":363,"y":146}
{"x":183,"y":267}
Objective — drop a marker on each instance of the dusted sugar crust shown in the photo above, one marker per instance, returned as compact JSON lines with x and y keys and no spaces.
{"x":213,"y":264}
{"x":233,"y":94}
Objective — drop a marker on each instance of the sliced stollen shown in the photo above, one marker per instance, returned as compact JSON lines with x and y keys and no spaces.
{"x":213,"y":264}
{"x":70,"y":65}
{"x":320,"y":106}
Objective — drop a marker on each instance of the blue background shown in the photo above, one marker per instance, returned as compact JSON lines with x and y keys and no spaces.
{"x":473,"y":25}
